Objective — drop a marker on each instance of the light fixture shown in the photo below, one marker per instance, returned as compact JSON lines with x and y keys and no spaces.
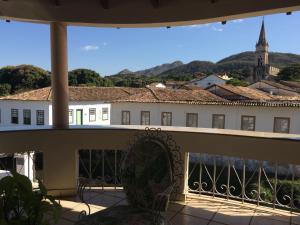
{"x":289,"y":13}
{"x":168,"y":27}
{"x":224,"y":22}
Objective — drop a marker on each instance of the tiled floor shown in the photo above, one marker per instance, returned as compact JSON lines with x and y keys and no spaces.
{"x":195,"y":211}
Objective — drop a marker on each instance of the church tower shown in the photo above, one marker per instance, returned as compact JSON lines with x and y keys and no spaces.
{"x":261,"y":56}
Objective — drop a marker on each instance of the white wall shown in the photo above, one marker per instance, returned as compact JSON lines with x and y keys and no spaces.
{"x":85,"y":106}
{"x":7,"y":105}
{"x":264,"y":115}
{"x":208,"y":81}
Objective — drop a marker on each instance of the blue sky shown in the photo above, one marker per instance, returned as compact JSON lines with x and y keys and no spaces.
{"x":109,"y":50}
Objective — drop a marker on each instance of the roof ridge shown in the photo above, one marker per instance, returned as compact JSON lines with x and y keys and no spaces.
{"x":50,"y":94}
{"x":153,"y":93}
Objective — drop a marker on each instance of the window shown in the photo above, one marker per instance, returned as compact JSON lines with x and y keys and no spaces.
{"x":248,"y":123}
{"x":71,"y":116}
{"x":40,"y":117}
{"x":92,"y":113}
{"x":166,"y":119}
{"x":281,"y":125}
{"x":192,"y":119}
{"x":145,"y":118}
{"x":104,"y":113}
{"x":0,"y":115}
{"x":218,"y":121}
{"x":14,"y":116}
{"x":125,"y":118}
{"x":27,"y":116}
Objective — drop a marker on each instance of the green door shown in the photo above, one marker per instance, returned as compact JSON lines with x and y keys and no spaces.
{"x":78,"y":116}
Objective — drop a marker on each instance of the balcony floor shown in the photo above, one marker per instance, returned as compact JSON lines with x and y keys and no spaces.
{"x":195,"y":211}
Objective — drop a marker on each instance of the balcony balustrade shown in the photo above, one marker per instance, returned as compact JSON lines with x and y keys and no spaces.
{"x":220,"y":165}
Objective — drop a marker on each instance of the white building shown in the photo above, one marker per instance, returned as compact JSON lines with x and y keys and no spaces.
{"x":209,"y":80}
{"x":253,"y":110}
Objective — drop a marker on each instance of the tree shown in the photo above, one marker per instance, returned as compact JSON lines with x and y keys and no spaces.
{"x":24,"y":77}
{"x":237,"y":82}
{"x":5,"y":89}
{"x":290,"y":73}
{"x":86,"y":77}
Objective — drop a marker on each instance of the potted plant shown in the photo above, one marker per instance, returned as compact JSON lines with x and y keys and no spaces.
{"x":21,"y":205}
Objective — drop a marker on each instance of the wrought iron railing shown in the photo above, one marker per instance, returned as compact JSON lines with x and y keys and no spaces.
{"x":101,"y":167}
{"x":253,"y":181}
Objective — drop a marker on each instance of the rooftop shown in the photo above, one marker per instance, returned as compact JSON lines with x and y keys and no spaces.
{"x":243,"y":96}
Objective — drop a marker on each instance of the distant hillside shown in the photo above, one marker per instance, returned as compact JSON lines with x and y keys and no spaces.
{"x":239,"y":63}
{"x":160,"y":69}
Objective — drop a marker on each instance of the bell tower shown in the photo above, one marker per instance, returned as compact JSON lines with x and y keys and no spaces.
{"x":261,"y":56}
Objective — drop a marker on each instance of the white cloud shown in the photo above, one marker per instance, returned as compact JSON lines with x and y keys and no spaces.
{"x":197,"y":25}
{"x":238,"y":21}
{"x":90,"y":48}
{"x":217,"y":29}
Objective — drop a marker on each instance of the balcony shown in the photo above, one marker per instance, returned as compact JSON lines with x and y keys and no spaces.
{"x":197,"y":210}
{"x":231,"y":177}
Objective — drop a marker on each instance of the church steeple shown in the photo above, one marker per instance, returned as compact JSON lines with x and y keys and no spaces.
{"x":262,"y":36}
{"x":261,"y":55}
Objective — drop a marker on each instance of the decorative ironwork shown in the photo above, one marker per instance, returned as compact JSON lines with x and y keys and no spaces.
{"x":175,"y":154}
{"x":251,"y":181}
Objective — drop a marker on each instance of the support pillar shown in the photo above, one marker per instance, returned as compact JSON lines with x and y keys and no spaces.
{"x":59,"y":160}
{"x":59,"y":75}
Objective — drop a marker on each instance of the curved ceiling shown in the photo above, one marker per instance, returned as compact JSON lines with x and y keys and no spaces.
{"x":140,"y":13}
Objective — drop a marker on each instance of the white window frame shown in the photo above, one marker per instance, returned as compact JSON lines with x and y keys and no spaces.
{"x":277,"y":119}
{"x":16,"y":113}
{"x":71,"y":116}
{"x":105,"y":114}
{"x":125,"y":117}
{"x":92,"y":114}
{"x":254,"y":122}
{"x":40,"y":117}
{"x":188,"y":120}
{"x":145,"y":118}
{"x":217,"y":117}
{"x":168,"y":116}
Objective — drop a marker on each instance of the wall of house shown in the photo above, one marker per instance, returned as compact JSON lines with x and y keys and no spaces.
{"x":85,"y":106}
{"x":7,"y":105}
{"x":208,"y":81}
{"x":264,"y":115}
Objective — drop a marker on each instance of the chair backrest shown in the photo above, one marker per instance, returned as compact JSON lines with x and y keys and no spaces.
{"x":148,"y":168}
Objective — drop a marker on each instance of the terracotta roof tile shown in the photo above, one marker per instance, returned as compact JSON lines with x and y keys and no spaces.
{"x":245,"y":92}
{"x":78,"y":94}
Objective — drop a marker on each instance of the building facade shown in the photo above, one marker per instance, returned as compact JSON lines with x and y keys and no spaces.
{"x":242,"y":110}
{"x":263,"y":70}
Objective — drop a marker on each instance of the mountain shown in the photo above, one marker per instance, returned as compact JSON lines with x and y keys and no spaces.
{"x":125,"y":71}
{"x":160,"y":69}
{"x":238,"y":63}
{"x":152,"y":71}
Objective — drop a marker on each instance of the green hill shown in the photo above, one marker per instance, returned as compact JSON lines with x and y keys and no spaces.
{"x":241,"y":63}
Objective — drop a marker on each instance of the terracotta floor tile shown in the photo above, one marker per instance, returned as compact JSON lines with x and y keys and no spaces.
{"x":234,"y":215}
{"x":198,"y":212}
{"x":266,"y":221}
{"x":73,"y":215}
{"x":104,"y":200}
{"x":181,"y":219}
{"x":295,"y":218}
